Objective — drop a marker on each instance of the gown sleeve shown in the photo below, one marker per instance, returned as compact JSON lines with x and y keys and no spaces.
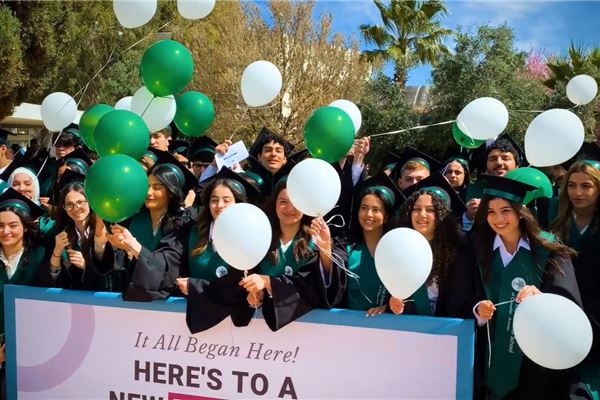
{"x":292,"y":297}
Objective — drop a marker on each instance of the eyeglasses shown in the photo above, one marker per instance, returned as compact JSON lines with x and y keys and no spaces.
{"x":77,"y":204}
{"x":200,"y":165}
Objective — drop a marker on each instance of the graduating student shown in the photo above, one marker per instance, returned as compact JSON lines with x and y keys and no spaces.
{"x":373,"y":217}
{"x":162,"y":213}
{"x":21,"y":250}
{"x":456,"y":171}
{"x":80,"y":240}
{"x":289,"y":278}
{"x":429,"y":210}
{"x":202,"y":154}
{"x":185,"y":262}
{"x":578,"y":226}
{"x":515,"y":259}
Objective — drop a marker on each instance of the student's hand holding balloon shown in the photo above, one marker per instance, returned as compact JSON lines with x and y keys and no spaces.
{"x":486,"y":309}
{"x":322,"y":236}
{"x":76,"y":258}
{"x":182,"y":284}
{"x":472,"y":207}
{"x":396,"y":305}
{"x":126,"y":238}
{"x":255,"y":299}
{"x":525,"y":292}
{"x":372,"y":312}
{"x":256,"y":283}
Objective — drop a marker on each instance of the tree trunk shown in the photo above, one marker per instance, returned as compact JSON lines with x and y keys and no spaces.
{"x":400,"y":77}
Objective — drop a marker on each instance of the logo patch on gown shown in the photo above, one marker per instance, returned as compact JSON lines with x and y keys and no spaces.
{"x":518,"y":283}
{"x":288,"y":271}
{"x":221,"y":271}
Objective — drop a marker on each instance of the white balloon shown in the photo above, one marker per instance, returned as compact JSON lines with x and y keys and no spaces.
{"x":261,"y":83}
{"x":124,"y":103}
{"x":582,"y":89}
{"x":58,"y":111}
{"x":553,"y":137}
{"x":552,"y":331}
{"x":242,"y":235}
{"x":314,"y":187}
{"x":483,"y":118}
{"x":352,"y":110}
{"x":157,"y":112}
{"x":134,"y":13}
{"x":195,"y":9}
{"x":403,"y":261}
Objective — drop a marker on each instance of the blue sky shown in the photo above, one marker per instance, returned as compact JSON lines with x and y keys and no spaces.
{"x":541,"y":25}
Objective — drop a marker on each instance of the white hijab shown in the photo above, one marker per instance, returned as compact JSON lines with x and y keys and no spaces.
{"x":34,"y":180}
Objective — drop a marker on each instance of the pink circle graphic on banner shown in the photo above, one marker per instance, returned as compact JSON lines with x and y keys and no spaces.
{"x":67,"y":360}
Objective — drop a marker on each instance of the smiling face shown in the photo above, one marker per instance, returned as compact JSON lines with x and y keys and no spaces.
{"x":286,"y":212}
{"x":582,"y":191}
{"x":23,"y":184}
{"x":158,"y":195}
{"x":220,"y":198}
{"x":11,"y":229}
{"x":423,"y":216}
{"x":272,"y":156}
{"x":455,"y":174}
{"x":502,"y":218}
{"x":77,"y":207}
{"x":371,"y":214}
{"x":499,"y":162}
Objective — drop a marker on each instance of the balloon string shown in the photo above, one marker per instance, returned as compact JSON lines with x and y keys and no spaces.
{"x":413,"y":128}
{"x":147,"y":107}
{"x":504,"y":302}
{"x":489,"y":340}
{"x":239,"y":125}
{"x":48,"y":156}
{"x":329,"y":223}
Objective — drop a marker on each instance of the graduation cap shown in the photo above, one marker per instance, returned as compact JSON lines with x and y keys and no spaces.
{"x":283,"y":172}
{"x":410,"y":154}
{"x":12,"y":198}
{"x":299,"y":156}
{"x":167,"y":161}
{"x":202,"y":149}
{"x":265,"y":136}
{"x":505,"y":188}
{"x":437,"y":184}
{"x":20,"y":160}
{"x":179,"y":147}
{"x":68,"y":177}
{"x":459,"y":159}
{"x":77,"y":158}
{"x":245,"y":182}
{"x":385,"y":185}
{"x":256,"y":168}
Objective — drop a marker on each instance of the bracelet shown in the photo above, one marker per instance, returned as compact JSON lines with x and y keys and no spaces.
{"x":54,"y":255}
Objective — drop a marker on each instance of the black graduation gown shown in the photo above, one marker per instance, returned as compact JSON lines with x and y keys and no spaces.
{"x":293,"y":296}
{"x":344,"y":204}
{"x":535,"y":382}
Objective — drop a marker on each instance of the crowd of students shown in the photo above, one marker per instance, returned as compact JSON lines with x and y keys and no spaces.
{"x":488,"y":247}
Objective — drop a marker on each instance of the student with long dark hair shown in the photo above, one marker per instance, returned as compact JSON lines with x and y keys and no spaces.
{"x":515,"y":260}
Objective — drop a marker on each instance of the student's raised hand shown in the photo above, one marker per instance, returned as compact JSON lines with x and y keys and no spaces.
{"x":61,"y":242}
{"x":486,"y":309}
{"x":256,"y":283}
{"x":76,"y":258}
{"x":126,"y":238}
{"x":320,"y":232}
{"x":223,"y":147}
{"x":525,"y":292}
{"x":373,"y":312}
{"x":396,"y":305}
{"x":472,"y":207}
{"x":182,"y":284}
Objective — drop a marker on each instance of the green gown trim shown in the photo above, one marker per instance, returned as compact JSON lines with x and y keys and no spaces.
{"x":140,"y":227}
{"x":286,"y":264}
{"x":368,"y":291}
{"x":502,"y":374}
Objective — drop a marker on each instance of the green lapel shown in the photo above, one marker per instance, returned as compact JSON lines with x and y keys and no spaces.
{"x":367,"y":291}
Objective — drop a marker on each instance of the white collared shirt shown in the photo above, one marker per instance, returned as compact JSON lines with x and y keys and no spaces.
{"x":11,"y":262}
{"x":504,"y":254}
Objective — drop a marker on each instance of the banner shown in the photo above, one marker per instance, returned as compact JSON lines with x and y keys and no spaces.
{"x":83,"y":345}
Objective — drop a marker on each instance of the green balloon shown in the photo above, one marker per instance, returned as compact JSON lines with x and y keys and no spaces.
{"x":121,"y":132}
{"x":166,"y":67}
{"x":195,"y":113}
{"x":464,"y":140}
{"x":89,"y":120}
{"x":116,"y":187}
{"x":329,"y":134}
{"x":533,"y":177}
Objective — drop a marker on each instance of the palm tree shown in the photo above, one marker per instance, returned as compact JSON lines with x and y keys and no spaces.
{"x":578,"y":61}
{"x":410,"y":35}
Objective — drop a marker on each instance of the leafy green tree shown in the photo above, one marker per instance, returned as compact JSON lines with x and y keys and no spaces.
{"x":411,"y":34}
{"x":485,"y":64}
